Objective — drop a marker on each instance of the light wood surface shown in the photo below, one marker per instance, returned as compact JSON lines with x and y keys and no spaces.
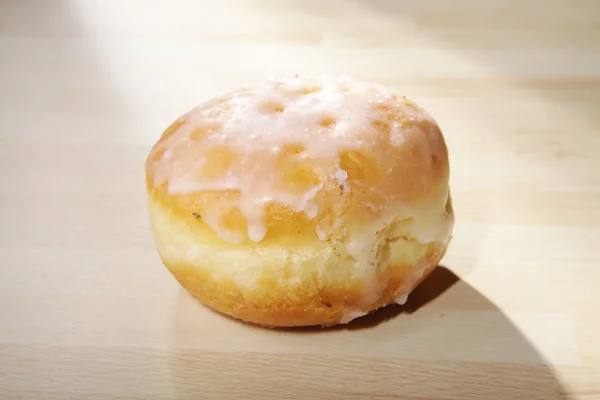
{"x":87,"y":311}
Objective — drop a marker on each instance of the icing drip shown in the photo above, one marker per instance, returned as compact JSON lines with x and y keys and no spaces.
{"x":402,"y":299}
{"x":351,"y":316}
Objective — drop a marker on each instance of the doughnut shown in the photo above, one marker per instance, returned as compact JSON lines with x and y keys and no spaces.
{"x":301,"y":201}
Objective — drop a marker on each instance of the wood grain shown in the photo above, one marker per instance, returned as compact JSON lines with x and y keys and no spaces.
{"x":88,"y":311}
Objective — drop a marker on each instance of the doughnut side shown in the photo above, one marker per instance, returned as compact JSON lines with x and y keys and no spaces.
{"x":291,"y":283}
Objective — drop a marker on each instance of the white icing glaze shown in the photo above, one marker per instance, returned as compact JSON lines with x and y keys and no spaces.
{"x":351,"y":316}
{"x":321,"y":116}
{"x":402,"y":299}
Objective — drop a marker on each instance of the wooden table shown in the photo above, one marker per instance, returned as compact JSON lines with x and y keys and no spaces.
{"x":87,"y":311}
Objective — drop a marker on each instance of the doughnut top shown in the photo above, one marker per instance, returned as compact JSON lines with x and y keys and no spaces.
{"x":323,"y":147}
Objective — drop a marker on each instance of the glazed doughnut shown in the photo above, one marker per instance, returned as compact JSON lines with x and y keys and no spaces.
{"x":301,"y":200}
